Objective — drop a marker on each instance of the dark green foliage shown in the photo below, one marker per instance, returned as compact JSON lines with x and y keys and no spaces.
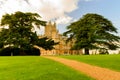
{"x":32,"y":51}
{"x":17,"y":51}
{"x":45,"y":43}
{"x":20,"y":33}
{"x":93,"y":31}
{"x":5,"y":52}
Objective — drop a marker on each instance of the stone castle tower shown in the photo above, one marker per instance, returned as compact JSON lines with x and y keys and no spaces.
{"x":63,"y":47}
{"x":51,"y":31}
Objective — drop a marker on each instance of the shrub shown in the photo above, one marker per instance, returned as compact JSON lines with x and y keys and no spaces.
{"x":17,"y":51}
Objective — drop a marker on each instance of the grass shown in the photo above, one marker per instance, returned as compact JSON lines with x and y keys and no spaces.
{"x":36,"y":68}
{"x":106,"y":61}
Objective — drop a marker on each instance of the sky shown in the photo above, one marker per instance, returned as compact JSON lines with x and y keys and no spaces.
{"x":63,"y":12}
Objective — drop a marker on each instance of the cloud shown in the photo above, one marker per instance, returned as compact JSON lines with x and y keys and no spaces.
{"x":48,"y":9}
{"x":63,"y":20}
{"x":11,"y":6}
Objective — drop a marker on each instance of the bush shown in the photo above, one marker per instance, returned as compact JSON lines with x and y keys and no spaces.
{"x":32,"y":51}
{"x":5,"y":51}
{"x":17,"y":51}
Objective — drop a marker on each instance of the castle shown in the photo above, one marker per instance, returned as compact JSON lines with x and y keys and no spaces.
{"x":61,"y":48}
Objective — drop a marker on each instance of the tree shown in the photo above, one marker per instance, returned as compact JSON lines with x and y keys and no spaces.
{"x":20,"y":32}
{"x":93,"y":31}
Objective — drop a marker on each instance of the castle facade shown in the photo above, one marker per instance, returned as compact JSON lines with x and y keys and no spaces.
{"x":61,"y":48}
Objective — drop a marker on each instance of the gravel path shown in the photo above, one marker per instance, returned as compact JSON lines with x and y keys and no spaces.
{"x":95,"y":72}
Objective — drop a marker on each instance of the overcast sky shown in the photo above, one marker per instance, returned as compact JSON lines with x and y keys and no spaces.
{"x":64,"y":11}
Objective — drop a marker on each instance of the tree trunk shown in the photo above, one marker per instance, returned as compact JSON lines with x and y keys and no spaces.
{"x":86,"y":51}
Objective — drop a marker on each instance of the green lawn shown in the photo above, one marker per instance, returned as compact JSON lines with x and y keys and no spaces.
{"x":36,"y":68}
{"x":107,"y":61}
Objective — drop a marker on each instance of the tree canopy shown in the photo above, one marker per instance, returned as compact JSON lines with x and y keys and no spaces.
{"x":93,"y":31}
{"x":20,"y":31}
